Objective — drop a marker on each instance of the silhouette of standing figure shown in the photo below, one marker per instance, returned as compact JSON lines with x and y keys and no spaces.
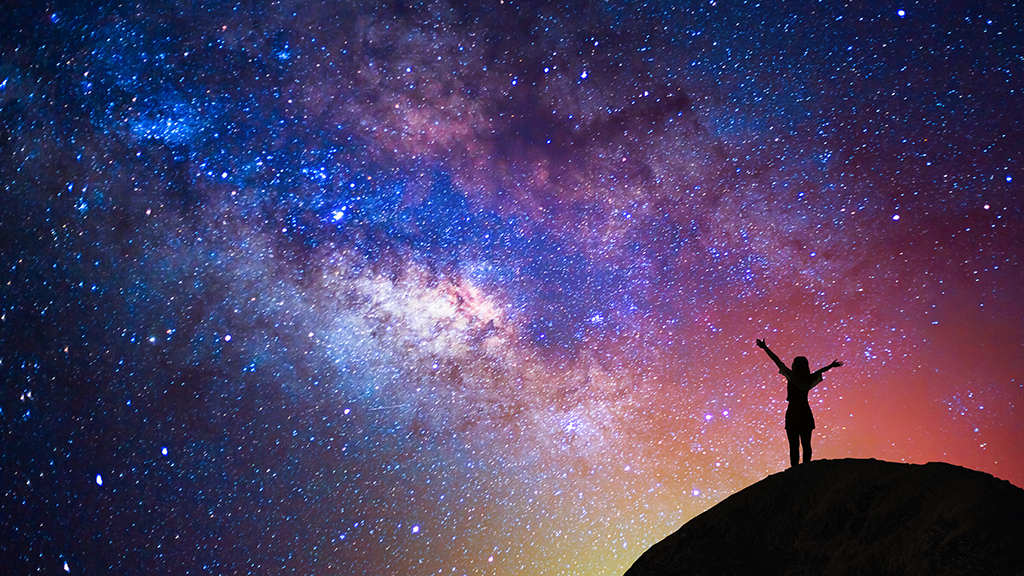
{"x":799,"y":420}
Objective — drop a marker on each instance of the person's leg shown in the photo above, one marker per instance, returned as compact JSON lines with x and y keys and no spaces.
{"x":794,"y":447}
{"x":805,"y":438}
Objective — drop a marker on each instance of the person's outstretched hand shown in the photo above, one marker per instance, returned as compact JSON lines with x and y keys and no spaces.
{"x":761,"y":344}
{"x":836,"y":364}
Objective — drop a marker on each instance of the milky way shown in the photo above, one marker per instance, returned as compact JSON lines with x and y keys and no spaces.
{"x":388,"y":288}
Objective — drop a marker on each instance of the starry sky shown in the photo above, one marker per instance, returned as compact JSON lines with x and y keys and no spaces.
{"x":473,"y":289}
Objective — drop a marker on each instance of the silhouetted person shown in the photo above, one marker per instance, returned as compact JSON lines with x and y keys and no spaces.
{"x":799,"y":420}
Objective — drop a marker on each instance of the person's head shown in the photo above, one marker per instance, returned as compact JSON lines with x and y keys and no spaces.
{"x":801,"y":366}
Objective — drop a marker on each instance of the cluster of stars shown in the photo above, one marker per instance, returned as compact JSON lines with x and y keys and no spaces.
{"x":474,"y":289}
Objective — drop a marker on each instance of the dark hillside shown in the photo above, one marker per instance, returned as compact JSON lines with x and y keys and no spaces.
{"x":833,"y":517}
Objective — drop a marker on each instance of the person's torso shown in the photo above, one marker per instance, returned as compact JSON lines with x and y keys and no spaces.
{"x":795,"y":394}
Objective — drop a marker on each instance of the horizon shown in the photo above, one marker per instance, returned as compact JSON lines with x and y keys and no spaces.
{"x":474,"y":289}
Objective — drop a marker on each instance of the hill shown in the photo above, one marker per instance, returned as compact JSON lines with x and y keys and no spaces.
{"x":832,"y":517}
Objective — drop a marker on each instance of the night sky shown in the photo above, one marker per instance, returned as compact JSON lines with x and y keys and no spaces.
{"x":425,"y":288}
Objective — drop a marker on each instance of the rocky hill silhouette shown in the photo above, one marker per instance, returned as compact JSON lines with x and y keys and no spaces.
{"x":832,"y":517}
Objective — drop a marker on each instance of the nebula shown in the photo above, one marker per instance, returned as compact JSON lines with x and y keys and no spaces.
{"x":433,"y":288}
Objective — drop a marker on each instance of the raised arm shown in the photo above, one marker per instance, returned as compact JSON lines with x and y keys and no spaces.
{"x":834,"y":364}
{"x":768,"y":351}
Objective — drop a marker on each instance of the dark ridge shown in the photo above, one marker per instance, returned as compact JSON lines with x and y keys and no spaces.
{"x":832,"y":517}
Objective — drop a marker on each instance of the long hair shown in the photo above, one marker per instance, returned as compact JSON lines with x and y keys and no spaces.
{"x":801,"y":366}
